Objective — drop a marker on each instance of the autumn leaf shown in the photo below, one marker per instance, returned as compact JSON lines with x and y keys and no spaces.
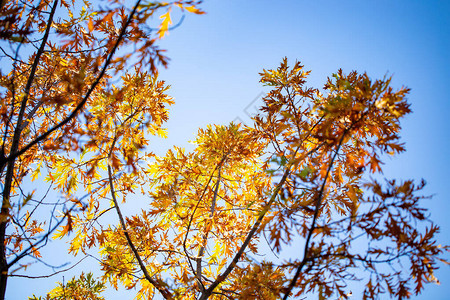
{"x":164,"y":27}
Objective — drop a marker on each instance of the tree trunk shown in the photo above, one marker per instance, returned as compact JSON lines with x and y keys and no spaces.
{"x":3,"y":262}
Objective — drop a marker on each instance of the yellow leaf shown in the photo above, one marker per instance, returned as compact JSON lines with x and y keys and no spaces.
{"x":162,"y":132}
{"x":166,"y":21}
{"x":36,"y":172}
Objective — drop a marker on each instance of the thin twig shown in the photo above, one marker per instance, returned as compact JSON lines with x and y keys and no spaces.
{"x":49,"y":275}
{"x":45,"y":237}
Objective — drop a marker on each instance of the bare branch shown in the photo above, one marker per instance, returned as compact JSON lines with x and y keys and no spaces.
{"x":49,"y":275}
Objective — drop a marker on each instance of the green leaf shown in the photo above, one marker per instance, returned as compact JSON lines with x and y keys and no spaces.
{"x":283,"y":160}
{"x":305,"y":172}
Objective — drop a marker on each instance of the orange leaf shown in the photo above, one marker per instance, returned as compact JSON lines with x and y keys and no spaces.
{"x":194,"y":10}
{"x":90,"y":25}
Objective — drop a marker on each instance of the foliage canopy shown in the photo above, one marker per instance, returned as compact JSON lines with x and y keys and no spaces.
{"x":79,"y":101}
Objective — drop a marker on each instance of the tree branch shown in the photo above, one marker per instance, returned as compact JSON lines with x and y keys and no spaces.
{"x":316,"y":214}
{"x":193,"y":214}
{"x":159,"y":284}
{"x":251,"y":233}
{"x":201,"y":251}
{"x":18,"y":130}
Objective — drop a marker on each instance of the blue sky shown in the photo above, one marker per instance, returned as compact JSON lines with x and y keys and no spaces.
{"x":216,"y":58}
